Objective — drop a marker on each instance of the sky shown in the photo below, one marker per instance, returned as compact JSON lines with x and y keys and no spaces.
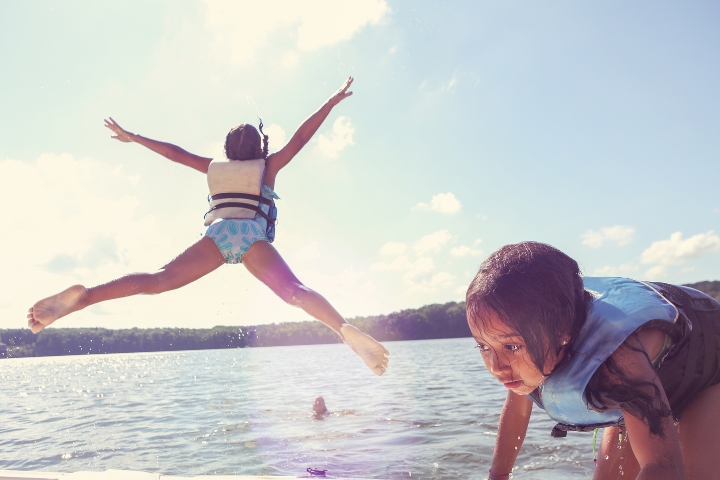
{"x":591,"y":126}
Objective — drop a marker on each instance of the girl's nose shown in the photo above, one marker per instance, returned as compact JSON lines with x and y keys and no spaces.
{"x":497,"y":364}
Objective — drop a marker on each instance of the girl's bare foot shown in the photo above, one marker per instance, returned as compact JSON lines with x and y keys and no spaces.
{"x":370,"y":350}
{"x":47,"y":310}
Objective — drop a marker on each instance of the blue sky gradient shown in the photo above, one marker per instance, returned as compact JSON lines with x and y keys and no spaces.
{"x":592,"y":127}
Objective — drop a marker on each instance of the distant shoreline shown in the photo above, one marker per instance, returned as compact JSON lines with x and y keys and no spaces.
{"x":429,"y":322}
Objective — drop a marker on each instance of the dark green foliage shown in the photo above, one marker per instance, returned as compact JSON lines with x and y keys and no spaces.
{"x":17,"y":336}
{"x":295,"y":333}
{"x":711,"y":288}
{"x":79,"y":341}
{"x":431,"y":321}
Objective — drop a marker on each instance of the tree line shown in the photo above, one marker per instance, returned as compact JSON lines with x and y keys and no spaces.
{"x":431,"y":321}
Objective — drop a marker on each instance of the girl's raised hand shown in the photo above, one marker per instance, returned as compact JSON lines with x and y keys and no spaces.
{"x":342,"y":93}
{"x":120,"y":133}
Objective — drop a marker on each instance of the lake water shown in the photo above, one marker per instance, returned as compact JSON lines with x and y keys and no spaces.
{"x":434,"y":414}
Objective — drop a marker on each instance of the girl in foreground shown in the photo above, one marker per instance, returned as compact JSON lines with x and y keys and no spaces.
{"x":637,"y":358}
{"x":242,"y":209}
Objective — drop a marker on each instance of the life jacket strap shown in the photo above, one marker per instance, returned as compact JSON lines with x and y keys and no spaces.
{"x":560,"y":430}
{"x":246,"y":196}
{"x":254,"y":208}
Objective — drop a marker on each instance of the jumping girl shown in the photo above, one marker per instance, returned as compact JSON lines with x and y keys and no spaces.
{"x":241,"y":228}
{"x":638,"y":359}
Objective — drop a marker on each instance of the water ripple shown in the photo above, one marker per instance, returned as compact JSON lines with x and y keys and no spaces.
{"x":247,"y":412}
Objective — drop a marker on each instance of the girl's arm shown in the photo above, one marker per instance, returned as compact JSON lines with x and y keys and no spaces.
{"x":167,"y":150}
{"x":279,"y":159}
{"x":658,"y":454}
{"x":513,"y":425}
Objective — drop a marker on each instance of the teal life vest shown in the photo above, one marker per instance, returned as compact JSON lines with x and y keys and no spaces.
{"x":620,"y":307}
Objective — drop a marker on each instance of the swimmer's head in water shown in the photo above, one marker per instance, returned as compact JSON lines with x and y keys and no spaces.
{"x":319,"y":405}
{"x":243,"y":143}
{"x":531,"y":294}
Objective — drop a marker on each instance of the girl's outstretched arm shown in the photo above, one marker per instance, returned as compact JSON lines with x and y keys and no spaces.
{"x":167,"y":150}
{"x":279,"y":159}
{"x":513,"y":425}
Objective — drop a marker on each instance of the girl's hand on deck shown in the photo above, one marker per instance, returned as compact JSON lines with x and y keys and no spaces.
{"x":342,"y":93}
{"x":120,"y":133}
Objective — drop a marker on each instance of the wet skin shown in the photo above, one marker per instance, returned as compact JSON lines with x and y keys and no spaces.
{"x":507,"y":358}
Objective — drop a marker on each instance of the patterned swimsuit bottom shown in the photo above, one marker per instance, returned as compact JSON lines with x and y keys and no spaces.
{"x":235,"y":236}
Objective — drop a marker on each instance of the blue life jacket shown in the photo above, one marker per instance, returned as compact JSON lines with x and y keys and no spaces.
{"x":620,"y":307}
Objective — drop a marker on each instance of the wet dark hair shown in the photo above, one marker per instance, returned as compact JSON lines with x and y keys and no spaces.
{"x":610,"y":387}
{"x":243,"y":143}
{"x":538,"y":292}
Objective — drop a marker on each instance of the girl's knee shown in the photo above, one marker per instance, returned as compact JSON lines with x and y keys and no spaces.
{"x":294,"y":293}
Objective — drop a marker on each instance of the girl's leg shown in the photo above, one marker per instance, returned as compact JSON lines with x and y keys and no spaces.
{"x":200,"y":259}
{"x":699,"y":434}
{"x":265,"y":263}
{"x":615,"y":458}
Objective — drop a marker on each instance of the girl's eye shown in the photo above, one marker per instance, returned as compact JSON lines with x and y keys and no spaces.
{"x":481,"y":347}
{"x":514,"y":348}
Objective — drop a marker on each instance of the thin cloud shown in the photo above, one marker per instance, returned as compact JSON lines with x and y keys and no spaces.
{"x":96,"y":220}
{"x":658,"y":272}
{"x":447,"y":86}
{"x":419,"y":275}
{"x":464,"y":251}
{"x":442,"y":202}
{"x":348,"y":287}
{"x":399,"y":264}
{"x":393,"y":248}
{"x":102,"y":250}
{"x":327,"y":22}
{"x":623,"y":270}
{"x":240,"y":29}
{"x":619,"y":234}
{"x":341,"y":137}
{"x":79,"y":226}
{"x":440,"y":280}
{"x":432,"y":243}
{"x":276,"y":137}
{"x":307,"y":253}
{"x":422,"y":266}
{"x":677,"y":250}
